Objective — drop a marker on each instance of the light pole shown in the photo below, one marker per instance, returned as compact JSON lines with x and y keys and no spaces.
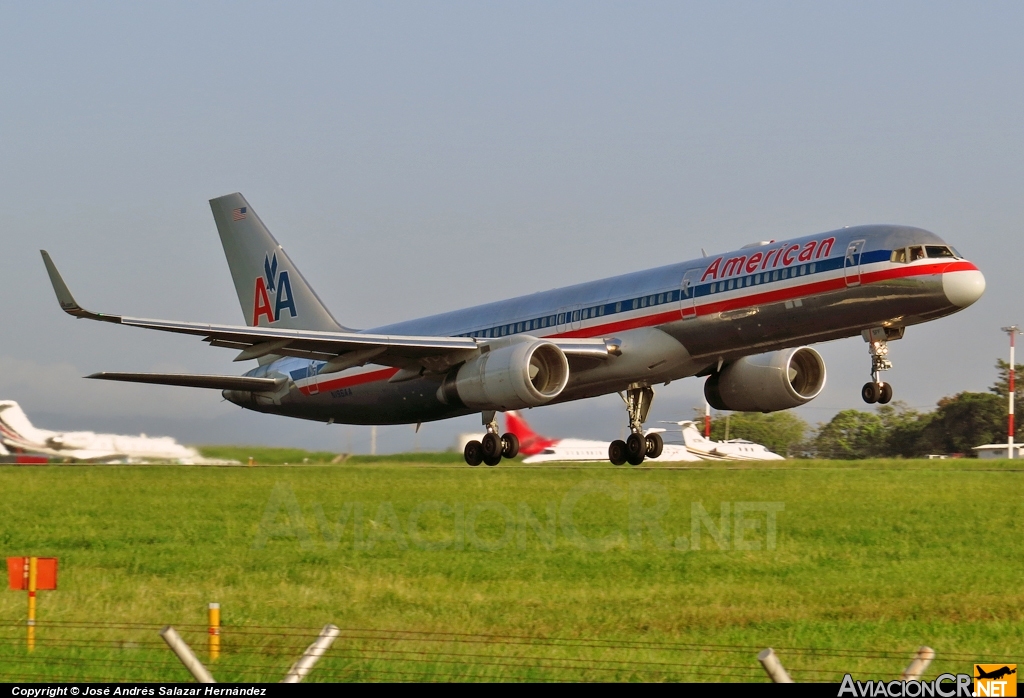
{"x":1013,"y":331}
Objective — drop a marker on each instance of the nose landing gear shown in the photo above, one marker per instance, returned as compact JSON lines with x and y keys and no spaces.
{"x":877,"y":390}
{"x":491,"y":448}
{"x":637,"y":447}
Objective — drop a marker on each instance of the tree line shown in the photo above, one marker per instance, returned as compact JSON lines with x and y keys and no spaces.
{"x":956,"y":425}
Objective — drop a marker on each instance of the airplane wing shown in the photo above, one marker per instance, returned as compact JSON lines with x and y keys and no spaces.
{"x":341,"y":350}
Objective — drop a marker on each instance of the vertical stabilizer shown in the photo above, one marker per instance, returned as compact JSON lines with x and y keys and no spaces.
{"x":270,"y":287}
{"x":16,"y":429}
{"x":530,"y":442}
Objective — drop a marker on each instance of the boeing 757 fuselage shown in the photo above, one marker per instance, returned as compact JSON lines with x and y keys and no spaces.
{"x":741,"y":319}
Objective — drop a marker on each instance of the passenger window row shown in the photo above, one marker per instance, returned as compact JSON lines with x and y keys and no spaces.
{"x":763,"y":278}
{"x":559,"y":320}
{"x":563,"y":320}
{"x":555,"y":320}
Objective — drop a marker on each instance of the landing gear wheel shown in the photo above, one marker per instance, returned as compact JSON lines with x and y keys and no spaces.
{"x":870,"y":392}
{"x":638,"y":398}
{"x":473,"y":453}
{"x":877,"y":339}
{"x":493,"y":460}
{"x":510,"y":445}
{"x":885,"y":394}
{"x":636,"y":449}
{"x":655,"y":445}
{"x":492,"y":446}
{"x":617,"y":452}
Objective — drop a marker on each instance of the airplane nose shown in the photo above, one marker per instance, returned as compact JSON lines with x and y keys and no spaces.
{"x":963,"y":287}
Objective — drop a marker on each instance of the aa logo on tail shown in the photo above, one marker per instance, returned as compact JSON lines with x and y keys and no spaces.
{"x":273,"y":284}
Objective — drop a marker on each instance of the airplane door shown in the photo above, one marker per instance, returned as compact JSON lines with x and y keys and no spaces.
{"x":851,"y":265}
{"x":314,"y":383}
{"x":577,"y":318}
{"x":563,"y":320}
{"x":687,"y":299}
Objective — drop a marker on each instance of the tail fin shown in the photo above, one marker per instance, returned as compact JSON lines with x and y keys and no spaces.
{"x":270,"y":287}
{"x":16,"y":428}
{"x":530,"y":442}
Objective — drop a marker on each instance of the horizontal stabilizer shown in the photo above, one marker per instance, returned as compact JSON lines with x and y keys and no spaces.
{"x":193,"y":380}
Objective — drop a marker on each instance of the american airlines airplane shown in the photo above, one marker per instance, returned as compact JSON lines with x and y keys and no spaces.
{"x":741,"y":320}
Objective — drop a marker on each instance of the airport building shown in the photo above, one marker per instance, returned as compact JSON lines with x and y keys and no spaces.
{"x":998,"y":451}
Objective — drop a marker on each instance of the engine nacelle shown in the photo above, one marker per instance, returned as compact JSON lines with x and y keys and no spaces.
{"x":769,"y":382}
{"x":524,"y":373}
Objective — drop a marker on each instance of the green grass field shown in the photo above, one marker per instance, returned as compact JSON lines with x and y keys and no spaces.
{"x":267,"y":455}
{"x":867,"y":562}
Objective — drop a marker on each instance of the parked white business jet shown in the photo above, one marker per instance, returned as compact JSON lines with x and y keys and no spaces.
{"x":18,"y":435}
{"x":733,"y":449}
{"x":740,"y":319}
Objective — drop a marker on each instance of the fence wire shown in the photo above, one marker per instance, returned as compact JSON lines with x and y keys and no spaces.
{"x":120,"y":651}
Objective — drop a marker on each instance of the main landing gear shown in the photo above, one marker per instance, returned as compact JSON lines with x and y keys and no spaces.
{"x":876,"y":390}
{"x":491,"y":448}
{"x":638,"y":399}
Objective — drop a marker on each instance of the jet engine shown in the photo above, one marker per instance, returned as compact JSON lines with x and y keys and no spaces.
{"x":767,"y":382}
{"x":524,"y":373}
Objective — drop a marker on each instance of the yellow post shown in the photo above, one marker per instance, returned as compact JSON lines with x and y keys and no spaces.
{"x":32,"y":564}
{"x":214,"y":637}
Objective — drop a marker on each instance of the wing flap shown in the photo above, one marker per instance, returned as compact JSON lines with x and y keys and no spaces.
{"x":399,"y":350}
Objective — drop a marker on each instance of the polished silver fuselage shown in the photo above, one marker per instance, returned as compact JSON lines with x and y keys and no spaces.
{"x":671,"y":322}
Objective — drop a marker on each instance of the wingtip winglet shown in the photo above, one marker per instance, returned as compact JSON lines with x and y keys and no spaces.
{"x":64,"y":297}
{"x":67,"y":302}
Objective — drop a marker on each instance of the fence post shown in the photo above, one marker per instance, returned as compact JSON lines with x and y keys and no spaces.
{"x":213,"y":639}
{"x":921,"y":660}
{"x":308,"y":660}
{"x":33,"y":575}
{"x":185,"y":654}
{"x":773,"y":666}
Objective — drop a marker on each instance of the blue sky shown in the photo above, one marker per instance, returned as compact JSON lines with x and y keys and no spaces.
{"x":417,"y":157}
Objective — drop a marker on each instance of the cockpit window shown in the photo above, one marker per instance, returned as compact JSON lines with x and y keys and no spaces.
{"x":939,"y":252}
{"x":916,"y":252}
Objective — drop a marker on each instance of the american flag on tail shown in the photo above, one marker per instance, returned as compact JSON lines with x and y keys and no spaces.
{"x":238,"y":214}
